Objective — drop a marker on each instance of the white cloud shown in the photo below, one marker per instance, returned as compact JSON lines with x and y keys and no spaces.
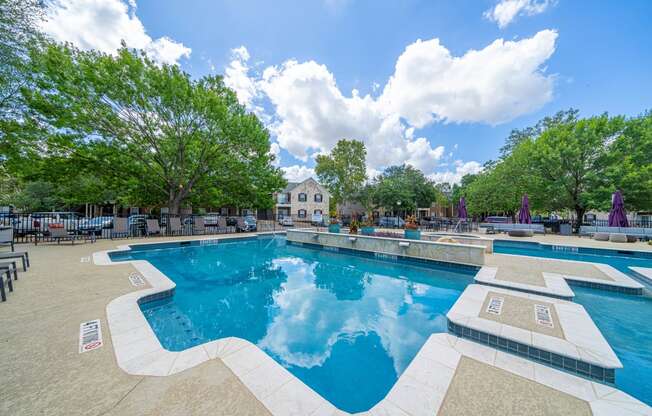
{"x":506,"y":11}
{"x":236,"y":77}
{"x":461,"y":169}
{"x":103,"y":25}
{"x":492,"y":85}
{"x":312,"y":114}
{"x":275,"y":150}
{"x":297,"y":173}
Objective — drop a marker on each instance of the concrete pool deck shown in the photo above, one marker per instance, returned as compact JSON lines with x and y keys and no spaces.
{"x":44,"y":373}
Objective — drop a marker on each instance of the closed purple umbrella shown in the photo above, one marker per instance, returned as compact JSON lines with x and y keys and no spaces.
{"x":524,"y":213}
{"x":617,"y":215}
{"x":461,"y":210}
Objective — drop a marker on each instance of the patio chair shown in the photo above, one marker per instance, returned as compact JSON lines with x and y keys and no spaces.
{"x":58,"y":232}
{"x":7,"y":236}
{"x":153,"y":227}
{"x":174,"y":225}
{"x":240,"y":224}
{"x":199,"y":226}
{"x":120,"y":227}
{"x":11,"y":267}
{"x":3,"y":273}
{"x":23,"y":255}
{"x":221,"y":225}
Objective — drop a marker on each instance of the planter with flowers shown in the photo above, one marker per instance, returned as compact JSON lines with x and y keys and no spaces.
{"x":412,"y":231}
{"x":353,"y":228}
{"x":368,"y":226}
{"x":334,"y":226}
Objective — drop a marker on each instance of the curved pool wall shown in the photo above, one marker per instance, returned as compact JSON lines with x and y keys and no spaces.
{"x":624,"y":320}
{"x":346,"y":324}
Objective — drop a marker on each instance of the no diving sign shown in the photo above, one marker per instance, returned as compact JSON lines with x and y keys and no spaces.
{"x":90,"y":335}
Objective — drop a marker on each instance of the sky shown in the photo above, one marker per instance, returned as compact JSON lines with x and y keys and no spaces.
{"x":436,"y":84}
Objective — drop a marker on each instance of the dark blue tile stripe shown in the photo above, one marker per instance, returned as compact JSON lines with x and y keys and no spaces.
{"x":577,"y":367}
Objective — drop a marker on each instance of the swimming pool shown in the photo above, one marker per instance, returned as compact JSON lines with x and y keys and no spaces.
{"x":346,"y":325}
{"x":624,"y":320}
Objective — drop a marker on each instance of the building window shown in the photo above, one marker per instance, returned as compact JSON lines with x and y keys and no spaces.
{"x":317,"y":211}
{"x":302,"y":213}
{"x":303,"y":197}
{"x":318,"y":198}
{"x":283,"y":198}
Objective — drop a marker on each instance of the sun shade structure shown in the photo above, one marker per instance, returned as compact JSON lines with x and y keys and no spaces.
{"x":462,"y":214}
{"x":617,"y":215}
{"x":524,"y":213}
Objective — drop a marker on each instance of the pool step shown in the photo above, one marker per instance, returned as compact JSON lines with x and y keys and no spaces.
{"x":548,"y":330}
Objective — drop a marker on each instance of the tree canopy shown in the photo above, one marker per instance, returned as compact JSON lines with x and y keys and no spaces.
{"x":403,"y":187}
{"x":148,"y":130}
{"x":568,"y":163}
{"x":343,"y":171}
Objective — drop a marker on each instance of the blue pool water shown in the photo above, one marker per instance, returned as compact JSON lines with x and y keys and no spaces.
{"x":624,"y":320}
{"x":346,"y":325}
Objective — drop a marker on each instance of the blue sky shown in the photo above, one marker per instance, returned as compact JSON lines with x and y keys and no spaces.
{"x":447,"y":111}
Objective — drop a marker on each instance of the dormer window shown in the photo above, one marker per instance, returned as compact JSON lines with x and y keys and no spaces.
{"x":319,"y":198}
{"x":303,"y":197}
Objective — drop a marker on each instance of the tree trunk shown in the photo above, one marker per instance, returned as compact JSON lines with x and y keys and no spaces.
{"x":579,"y":216}
{"x":174,"y":203}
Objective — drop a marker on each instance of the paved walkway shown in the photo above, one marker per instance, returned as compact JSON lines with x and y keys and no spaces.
{"x":43,"y":372}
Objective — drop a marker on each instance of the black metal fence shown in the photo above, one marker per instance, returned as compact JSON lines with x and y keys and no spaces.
{"x":35,"y":227}
{"x":639,"y":223}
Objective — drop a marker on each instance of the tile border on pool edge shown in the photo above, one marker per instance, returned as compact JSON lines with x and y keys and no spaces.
{"x":139,"y":352}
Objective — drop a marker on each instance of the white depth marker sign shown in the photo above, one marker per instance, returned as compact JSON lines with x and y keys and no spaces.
{"x":90,"y":336}
{"x":495,"y":306}
{"x":136,"y":279}
{"x":543,"y":316}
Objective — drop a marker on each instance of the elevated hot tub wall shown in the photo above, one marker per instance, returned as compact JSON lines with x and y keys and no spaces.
{"x":430,"y":250}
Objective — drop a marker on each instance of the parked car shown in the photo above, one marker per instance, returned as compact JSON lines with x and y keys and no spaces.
{"x":39,"y":221}
{"x":286,"y":220}
{"x":250,"y":224}
{"x":96,"y":224}
{"x":391,"y":222}
{"x":231,"y":221}
{"x":497,"y":220}
{"x":317,"y":219}
{"x":210,"y":219}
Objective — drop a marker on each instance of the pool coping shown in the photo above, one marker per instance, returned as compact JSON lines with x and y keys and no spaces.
{"x":620,"y":283}
{"x":644,"y":272}
{"x":555,"y":284}
{"x":583,"y":343}
{"x":139,"y":352}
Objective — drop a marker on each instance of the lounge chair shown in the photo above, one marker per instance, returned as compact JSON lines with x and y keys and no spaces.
{"x":120,"y":227}
{"x":58,"y":232}
{"x":199,"y":225}
{"x":7,"y":236}
{"x":174,"y":226}
{"x":153,"y":227}
{"x":23,"y":255}
{"x":3,"y":273}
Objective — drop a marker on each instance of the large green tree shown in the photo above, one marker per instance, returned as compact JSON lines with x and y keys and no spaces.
{"x":404,"y":188}
{"x":160,"y":134}
{"x":343,"y":171}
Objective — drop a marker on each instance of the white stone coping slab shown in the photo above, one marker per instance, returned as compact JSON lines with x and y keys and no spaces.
{"x":644,"y":272}
{"x":555,"y":285}
{"x":583,"y":340}
{"x":620,"y":279}
{"x":421,"y":388}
